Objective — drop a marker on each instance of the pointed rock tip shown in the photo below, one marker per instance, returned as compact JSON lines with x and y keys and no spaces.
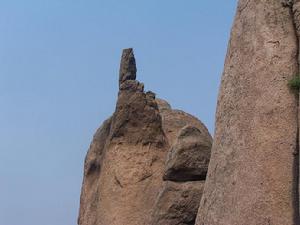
{"x":127,"y":66}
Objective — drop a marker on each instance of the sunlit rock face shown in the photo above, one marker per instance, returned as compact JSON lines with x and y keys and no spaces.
{"x":126,"y":178}
{"x":252,"y":176}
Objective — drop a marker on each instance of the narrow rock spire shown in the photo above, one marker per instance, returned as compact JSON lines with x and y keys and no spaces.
{"x":128,"y":66}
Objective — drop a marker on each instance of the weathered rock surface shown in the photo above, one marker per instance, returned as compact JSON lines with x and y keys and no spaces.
{"x":251,"y":178}
{"x":127,"y":67}
{"x":174,"y":120}
{"x":123,"y":177}
{"x":92,"y":168}
{"x":189,"y":157}
{"x":178,"y":203}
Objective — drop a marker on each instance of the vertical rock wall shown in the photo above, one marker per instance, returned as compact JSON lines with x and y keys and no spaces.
{"x":251,"y":178}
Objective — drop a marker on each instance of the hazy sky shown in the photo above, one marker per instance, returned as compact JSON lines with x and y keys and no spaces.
{"x":59,"y":62}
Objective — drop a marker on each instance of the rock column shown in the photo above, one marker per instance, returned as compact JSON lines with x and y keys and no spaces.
{"x":251,"y":178}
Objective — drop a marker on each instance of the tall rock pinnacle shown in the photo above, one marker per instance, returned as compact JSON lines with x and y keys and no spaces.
{"x":128,"y":157}
{"x":252,"y":176}
{"x":128,"y":66}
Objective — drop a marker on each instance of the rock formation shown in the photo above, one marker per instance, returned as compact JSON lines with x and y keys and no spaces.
{"x":178,"y":203}
{"x":253,"y":173}
{"x":147,"y":163}
{"x":189,"y":157}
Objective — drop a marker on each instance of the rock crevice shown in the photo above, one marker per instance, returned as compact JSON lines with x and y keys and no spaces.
{"x":295,"y":8}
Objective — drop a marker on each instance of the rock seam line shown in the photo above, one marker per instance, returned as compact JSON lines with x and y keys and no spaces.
{"x":296,"y":184}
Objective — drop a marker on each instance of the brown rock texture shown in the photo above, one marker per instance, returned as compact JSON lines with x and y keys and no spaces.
{"x":123,"y":174}
{"x":251,"y":177}
{"x":178,"y":203}
{"x":189,"y":156}
{"x":127,"y":67}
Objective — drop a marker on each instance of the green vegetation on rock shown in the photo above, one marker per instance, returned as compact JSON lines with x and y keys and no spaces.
{"x":294,"y":83}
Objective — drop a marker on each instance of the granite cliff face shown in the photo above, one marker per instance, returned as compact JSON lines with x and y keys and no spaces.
{"x":253,"y":175}
{"x":147,"y":163}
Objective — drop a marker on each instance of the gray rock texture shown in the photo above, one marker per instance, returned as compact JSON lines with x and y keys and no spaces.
{"x":251,"y":178}
{"x":128,"y":66}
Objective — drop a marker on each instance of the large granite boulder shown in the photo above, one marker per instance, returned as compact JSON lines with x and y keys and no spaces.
{"x":178,"y":203}
{"x":189,"y":156}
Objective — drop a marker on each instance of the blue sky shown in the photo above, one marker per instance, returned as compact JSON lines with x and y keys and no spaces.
{"x":59,"y":62}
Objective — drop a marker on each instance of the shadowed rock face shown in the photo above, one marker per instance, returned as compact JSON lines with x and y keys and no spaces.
{"x":92,"y":167}
{"x":123,"y":175}
{"x":251,"y":177}
{"x":178,"y":203}
{"x":127,"y":67}
{"x":179,"y":197}
{"x":189,"y":156}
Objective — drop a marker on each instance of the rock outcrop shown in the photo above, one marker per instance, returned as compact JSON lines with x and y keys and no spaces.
{"x":143,"y":142}
{"x":189,"y":157}
{"x":178,"y":203}
{"x":252,"y":177}
{"x":127,"y":67}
